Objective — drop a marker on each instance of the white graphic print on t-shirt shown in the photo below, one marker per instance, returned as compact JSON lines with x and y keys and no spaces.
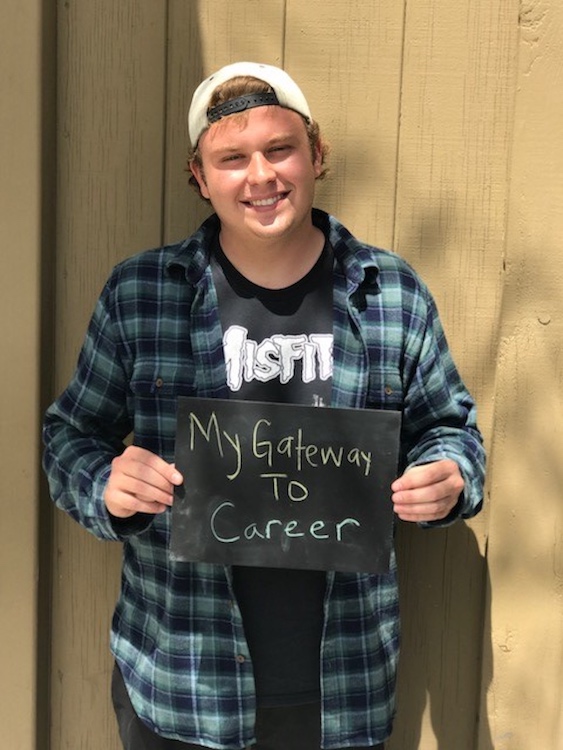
{"x":276,"y":357}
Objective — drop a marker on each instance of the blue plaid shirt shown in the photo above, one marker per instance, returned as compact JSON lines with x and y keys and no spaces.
{"x":177,"y":632}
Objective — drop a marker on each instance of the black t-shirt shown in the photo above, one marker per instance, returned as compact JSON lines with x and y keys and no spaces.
{"x":278,"y":348}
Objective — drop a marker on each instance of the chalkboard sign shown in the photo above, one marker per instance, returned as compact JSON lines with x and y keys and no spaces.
{"x":280,"y":485}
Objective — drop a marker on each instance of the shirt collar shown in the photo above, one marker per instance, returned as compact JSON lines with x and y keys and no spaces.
{"x":356,"y":258}
{"x":192,"y":255}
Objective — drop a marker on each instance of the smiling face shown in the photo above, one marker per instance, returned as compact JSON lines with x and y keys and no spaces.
{"x":258,"y":171}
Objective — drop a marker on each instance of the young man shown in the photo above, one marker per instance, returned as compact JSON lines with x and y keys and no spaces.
{"x":233,"y":657}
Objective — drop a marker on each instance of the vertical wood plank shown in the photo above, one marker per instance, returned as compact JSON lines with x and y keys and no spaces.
{"x":110,"y":144}
{"x":26,"y":87}
{"x":456,"y":125}
{"x":526,"y":534}
{"x":110,"y":148}
{"x":455,"y":130}
{"x":348,"y":58}
{"x":241,"y":30}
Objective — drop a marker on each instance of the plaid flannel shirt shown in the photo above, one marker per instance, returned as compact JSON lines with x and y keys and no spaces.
{"x":177,"y":632}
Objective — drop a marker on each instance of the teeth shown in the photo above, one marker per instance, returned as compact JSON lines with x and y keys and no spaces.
{"x":264,"y":202}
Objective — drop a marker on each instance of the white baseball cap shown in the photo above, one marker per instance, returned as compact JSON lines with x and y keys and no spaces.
{"x":286,"y":94}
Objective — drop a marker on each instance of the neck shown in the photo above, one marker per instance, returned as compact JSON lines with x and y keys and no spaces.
{"x":274,"y":263}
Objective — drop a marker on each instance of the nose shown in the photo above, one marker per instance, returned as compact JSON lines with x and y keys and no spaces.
{"x":260,"y":170}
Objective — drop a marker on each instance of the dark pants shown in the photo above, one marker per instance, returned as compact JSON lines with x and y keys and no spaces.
{"x":283,"y":728}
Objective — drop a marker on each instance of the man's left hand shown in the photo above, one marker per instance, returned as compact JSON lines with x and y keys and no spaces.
{"x":427,"y":492}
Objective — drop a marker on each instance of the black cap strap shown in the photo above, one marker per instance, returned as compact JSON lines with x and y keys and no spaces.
{"x":240,"y":104}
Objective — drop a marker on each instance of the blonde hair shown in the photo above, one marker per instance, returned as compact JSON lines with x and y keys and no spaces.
{"x":242,"y":86}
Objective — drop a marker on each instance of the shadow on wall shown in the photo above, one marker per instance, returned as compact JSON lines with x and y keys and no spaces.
{"x":443,"y":581}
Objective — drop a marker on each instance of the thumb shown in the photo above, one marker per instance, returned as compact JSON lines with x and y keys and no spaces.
{"x":175,"y":476}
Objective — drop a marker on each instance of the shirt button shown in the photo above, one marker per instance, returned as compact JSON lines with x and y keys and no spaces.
{"x":388,"y":390}
{"x":241,"y":659}
{"x":159,"y":382}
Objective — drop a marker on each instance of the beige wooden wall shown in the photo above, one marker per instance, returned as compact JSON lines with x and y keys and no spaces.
{"x":446,"y":122}
{"x":27,"y":169}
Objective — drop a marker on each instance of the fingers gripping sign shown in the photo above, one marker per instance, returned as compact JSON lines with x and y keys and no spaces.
{"x":140,"y":482}
{"x":427,"y":492}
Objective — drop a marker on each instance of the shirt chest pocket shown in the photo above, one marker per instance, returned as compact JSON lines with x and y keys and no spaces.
{"x":156,"y":385}
{"x":154,"y":391}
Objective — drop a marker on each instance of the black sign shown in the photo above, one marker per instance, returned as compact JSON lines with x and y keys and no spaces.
{"x":279,"y":485}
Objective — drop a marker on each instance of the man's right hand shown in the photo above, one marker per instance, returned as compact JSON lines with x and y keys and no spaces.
{"x":140,"y":482}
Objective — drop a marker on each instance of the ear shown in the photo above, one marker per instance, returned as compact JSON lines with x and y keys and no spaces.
{"x":318,"y":160}
{"x":197,"y":171}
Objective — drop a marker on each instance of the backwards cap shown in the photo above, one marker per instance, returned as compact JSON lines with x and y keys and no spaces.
{"x":286,"y":93}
